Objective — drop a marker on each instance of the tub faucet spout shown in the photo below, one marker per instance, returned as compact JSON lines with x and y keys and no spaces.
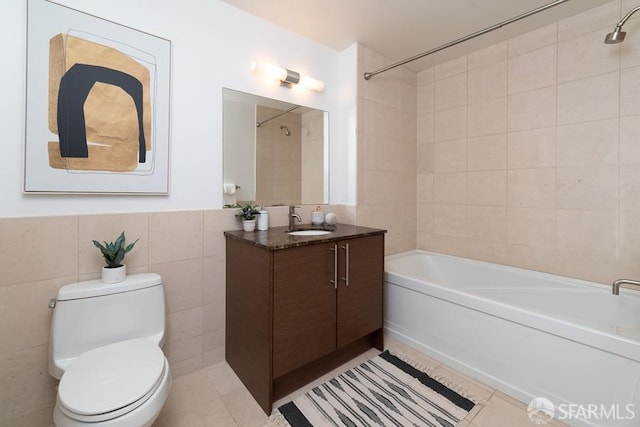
{"x":616,"y":285}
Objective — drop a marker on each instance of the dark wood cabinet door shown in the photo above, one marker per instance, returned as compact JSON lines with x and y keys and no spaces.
{"x":304,"y":306}
{"x":359,"y":302}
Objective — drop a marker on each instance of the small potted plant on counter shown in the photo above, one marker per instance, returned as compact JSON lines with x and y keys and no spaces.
{"x":115,"y":271}
{"x":248,"y":214}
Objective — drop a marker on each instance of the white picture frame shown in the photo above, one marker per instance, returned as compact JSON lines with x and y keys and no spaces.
{"x":97,"y":105}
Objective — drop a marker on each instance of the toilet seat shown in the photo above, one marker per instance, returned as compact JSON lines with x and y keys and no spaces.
{"x":111,"y":381}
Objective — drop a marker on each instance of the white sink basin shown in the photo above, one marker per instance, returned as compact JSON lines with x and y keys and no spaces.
{"x":309,"y":233}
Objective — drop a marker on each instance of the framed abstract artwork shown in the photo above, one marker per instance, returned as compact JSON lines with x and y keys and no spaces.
{"x":97,"y":105}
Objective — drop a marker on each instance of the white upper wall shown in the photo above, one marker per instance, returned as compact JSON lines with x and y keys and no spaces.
{"x":213,"y":46}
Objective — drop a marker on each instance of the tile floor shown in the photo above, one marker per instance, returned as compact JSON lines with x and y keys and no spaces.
{"x":214,"y":396}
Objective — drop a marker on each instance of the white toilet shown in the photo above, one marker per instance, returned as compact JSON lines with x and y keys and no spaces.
{"x":105,"y":349}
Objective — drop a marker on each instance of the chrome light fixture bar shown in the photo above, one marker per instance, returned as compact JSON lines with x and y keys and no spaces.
{"x":286,"y":77}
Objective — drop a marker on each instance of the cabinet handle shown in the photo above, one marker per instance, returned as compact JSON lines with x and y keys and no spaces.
{"x":334,"y":282}
{"x":346,"y":268}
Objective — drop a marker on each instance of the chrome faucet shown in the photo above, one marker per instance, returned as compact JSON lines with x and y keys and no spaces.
{"x":292,"y":215}
{"x":616,"y":285}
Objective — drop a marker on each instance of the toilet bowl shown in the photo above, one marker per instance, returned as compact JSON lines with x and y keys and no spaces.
{"x":120,"y":384}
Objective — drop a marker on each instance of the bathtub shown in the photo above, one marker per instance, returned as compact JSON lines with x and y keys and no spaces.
{"x":525,"y":333}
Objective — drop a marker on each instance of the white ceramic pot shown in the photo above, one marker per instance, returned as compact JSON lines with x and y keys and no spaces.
{"x":249,"y":224}
{"x":114,"y":275}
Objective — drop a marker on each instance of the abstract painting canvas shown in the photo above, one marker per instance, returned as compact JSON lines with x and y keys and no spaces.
{"x":98,"y":105}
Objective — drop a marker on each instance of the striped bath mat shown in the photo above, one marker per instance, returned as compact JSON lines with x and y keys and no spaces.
{"x":384,"y":391}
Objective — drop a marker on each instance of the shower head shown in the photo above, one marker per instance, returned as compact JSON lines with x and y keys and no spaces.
{"x":617,"y":36}
{"x":286,"y":130}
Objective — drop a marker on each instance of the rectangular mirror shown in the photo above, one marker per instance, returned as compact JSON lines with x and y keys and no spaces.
{"x":275,"y":153}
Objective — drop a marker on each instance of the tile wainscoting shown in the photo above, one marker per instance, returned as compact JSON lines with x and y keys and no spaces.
{"x":38,"y":255}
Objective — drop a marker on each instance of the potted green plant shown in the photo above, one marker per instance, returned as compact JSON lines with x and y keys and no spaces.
{"x":247,"y":214}
{"x":115,"y":271}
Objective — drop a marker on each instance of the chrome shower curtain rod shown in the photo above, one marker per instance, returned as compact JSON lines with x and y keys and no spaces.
{"x":276,"y":116}
{"x":367,"y":76}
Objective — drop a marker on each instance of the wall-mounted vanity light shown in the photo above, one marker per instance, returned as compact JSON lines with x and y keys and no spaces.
{"x":287,"y":78}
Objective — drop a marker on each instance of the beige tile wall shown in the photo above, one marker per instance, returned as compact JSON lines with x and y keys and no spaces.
{"x":278,"y":157}
{"x":312,"y":156}
{"x":39,"y":255}
{"x":386,"y":180}
{"x":528,"y":151}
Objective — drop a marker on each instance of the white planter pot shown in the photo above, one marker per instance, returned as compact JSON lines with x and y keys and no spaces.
{"x":249,"y":224}
{"x":114,"y":275}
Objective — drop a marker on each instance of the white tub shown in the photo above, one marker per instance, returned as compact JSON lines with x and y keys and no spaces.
{"x":525,"y":333}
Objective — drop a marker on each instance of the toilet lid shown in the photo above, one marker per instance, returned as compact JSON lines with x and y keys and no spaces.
{"x":111,"y":377}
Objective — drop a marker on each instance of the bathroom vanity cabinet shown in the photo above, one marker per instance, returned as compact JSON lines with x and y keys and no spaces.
{"x":297,"y":307}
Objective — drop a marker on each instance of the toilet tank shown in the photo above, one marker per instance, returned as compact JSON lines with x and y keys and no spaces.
{"x":92,"y":314}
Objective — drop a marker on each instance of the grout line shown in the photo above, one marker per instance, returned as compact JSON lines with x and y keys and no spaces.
{"x":555,"y":155}
{"x":78,"y":249}
{"x":619,"y":199}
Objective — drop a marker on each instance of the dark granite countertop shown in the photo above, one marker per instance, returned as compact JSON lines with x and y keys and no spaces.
{"x":277,"y":238}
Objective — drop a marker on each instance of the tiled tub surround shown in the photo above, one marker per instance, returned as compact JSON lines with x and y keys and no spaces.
{"x":39,"y":255}
{"x":386,"y":157}
{"x":529,"y":150}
